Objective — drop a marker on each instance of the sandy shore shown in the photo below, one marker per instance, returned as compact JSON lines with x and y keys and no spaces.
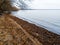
{"x":43,"y":35}
{"x":29,"y":34}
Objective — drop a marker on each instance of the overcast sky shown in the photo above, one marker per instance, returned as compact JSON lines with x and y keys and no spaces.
{"x":45,"y":4}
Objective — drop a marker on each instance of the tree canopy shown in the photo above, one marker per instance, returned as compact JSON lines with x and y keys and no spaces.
{"x":6,"y":5}
{"x":23,"y":4}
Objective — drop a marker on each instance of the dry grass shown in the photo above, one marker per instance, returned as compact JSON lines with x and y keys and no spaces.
{"x":14,"y":31}
{"x":11,"y":33}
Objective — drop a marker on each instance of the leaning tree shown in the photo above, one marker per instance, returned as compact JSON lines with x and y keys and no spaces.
{"x":6,"y":6}
{"x":22,"y":4}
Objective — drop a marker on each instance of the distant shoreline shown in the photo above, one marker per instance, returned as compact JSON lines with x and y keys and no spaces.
{"x":39,"y":9}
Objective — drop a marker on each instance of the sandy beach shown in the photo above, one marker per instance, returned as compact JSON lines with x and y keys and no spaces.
{"x":15,"y":31}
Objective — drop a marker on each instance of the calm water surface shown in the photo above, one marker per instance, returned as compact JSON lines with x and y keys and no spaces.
{"x":48,"y":19}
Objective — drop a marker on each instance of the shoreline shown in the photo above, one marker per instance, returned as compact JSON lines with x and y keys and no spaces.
{"x":15,"y":31}
{"x":51,"y":38}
